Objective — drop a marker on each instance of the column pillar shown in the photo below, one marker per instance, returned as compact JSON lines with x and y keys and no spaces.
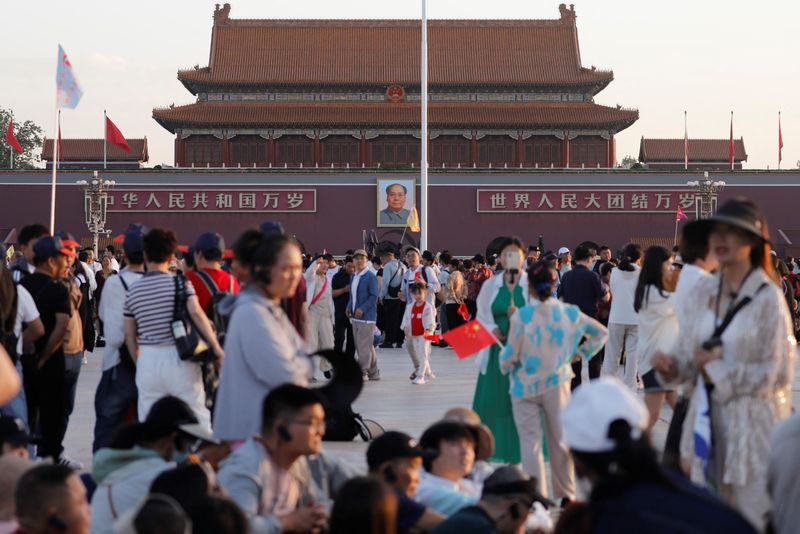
{"x":180,"y":151}
{"x":226,"y":151}
{"x":565,"y":151}
{"x":362,"y":150}
{"x":473,"y":150}
{"x":612,"y":151}
{"x":519,"y":156}
{"x":271,"y":150}
{"x":317,"y":150}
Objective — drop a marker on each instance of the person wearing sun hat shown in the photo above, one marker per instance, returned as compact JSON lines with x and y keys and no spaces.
{"x":627,"y":490}
{"x":743,"y":367}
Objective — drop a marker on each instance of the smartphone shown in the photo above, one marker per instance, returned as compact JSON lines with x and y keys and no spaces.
{"x":512,"y":260}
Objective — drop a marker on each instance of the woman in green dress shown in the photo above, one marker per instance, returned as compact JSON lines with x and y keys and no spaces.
{"x":497,"y":301}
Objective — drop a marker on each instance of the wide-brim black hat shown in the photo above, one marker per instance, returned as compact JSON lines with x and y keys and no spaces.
{"x":739,"y":212}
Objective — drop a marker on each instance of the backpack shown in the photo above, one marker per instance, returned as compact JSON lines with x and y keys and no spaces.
{"x":218,"y":319}
{"x":9,"y":339}
{"x":125,"y":357}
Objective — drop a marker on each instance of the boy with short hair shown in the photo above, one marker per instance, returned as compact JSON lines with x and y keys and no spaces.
{"x":419,"y":321}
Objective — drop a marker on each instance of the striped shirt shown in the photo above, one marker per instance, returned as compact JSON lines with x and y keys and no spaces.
{"x":151,"y":302}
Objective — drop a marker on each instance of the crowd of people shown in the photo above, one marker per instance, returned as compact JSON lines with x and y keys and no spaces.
{"x":209,"y":416}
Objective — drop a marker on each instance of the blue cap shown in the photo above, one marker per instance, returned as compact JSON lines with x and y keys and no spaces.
{"x":133,"y":241}
{"x":210,"y":244}
{"x":50,"y":247}
{"x":272,"y":228}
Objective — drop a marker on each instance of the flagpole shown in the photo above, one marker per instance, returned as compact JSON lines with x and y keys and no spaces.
{"x":55,"y":164}
{"x":10,"y":148}
{"x":105,"y":137}
{"x":685,"y":142}
{"x":780,"y":140}
{"x":733,"y":148}
{"x":675,"y":239}
{"x":423,"y":166}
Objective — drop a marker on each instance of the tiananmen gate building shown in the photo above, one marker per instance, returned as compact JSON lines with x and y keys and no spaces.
{"x":346,"y":93}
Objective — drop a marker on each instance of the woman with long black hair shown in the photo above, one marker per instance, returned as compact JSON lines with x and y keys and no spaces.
{"x":739,"y":348}
{"x":658,"y":324}
{"x":623,"y":328}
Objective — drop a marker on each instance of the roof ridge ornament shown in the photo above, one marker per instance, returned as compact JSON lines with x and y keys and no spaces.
{"x":567,"y":14}
{"x":222,"y":15}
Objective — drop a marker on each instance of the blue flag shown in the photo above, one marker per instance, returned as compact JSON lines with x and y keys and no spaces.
{"x":68,"y":92}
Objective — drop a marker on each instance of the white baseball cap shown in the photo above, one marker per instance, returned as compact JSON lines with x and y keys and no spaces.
{"x":592,"y":409}
{"x":563,"y":250}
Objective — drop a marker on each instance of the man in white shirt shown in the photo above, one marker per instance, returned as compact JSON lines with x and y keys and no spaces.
{"x":698,"y":262}
{"x":116,"y":392}
{"x":417,"y":270}
{"x":110,"y":252}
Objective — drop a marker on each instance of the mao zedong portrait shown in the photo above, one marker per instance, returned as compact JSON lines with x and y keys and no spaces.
{"x":395,"y":211}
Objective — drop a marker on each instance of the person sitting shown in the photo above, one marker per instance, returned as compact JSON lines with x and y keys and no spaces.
{"x":396,"y":458}
{"x":484,"y":441}
{"x":269,"y":475}
{"x":364,"y":506}
{"x":51,"y":498}
{"x":604,"y":427}
{"x":506,"y":500}
{"x":138,"y":453}
{"x":12,"y":467}
{"x":443,"y":486}
{"x":14,"y":437}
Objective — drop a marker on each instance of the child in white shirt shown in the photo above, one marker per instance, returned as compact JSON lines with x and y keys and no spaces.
{"x":419,"y":320}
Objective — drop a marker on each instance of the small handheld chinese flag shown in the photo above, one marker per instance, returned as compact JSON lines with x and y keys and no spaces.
{"x":11,"y":139}
{"x":680,"y":215}
{"x":468,"y":339}
{"x":413,"y":220}
{"x":463,"y":311}
{"x":115,"y":137}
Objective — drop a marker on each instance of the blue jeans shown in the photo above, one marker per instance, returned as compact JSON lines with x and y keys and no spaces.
{"x":116,"y":396}
{"x":18,"y":406}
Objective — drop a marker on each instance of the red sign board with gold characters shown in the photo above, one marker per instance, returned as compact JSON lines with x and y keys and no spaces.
{"x":582,"y":201}
{"x":213,"y":200}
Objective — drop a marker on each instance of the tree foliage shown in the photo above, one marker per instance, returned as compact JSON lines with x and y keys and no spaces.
{"x":29,"y":135}
{"x":628,"y":162}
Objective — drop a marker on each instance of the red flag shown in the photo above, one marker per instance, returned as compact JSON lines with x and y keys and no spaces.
{"x":11,"y":139}
{"x":780,"y":141}
{"x":463,"y":311}
{"x":731,"y":150}
{"x":433,"y":337}
{"x":115,"y":137}
{"x":680,"y":216}
{"x":469,"y":338}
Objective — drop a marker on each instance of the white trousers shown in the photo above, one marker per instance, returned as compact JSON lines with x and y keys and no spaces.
{"x":622,"y":337}
{"x":320,"y":334}
{"x":419,"y":350}
{"x":161,"y":372}
{"x":528,"y":418}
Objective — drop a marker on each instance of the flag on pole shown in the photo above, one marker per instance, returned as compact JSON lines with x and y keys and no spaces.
{"x":413,"y":220}
{"x":60,"y":144}
{"x":10,"y":253}
{"x":469,"y":338}
{"x":685,"y":143}
{"x":780,"y":141}
{"x":11,"y":139}
{"x":680,"y":215}
{"x":115,"y":137}
{"x":731,"y":150}
{"x":68,"y":92}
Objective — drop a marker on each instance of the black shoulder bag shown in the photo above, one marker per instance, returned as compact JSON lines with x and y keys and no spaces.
{"x":187,"y":338}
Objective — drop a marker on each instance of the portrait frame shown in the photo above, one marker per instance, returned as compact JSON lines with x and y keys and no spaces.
{"x":385,"y":217}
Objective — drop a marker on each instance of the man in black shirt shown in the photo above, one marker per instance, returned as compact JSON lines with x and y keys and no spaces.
{"x":581,"y":286}
{"x":342,"y":329}
{"x":51,"y":259}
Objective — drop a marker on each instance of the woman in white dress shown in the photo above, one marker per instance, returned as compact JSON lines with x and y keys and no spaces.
{"x":745,"y":372}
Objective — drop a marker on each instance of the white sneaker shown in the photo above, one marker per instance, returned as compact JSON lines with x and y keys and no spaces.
{"x":430,"y":375}
{"x":69,"y":462}
{"x":418,"y":380}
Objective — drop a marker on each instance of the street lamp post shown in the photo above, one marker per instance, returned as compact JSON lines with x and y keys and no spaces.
{"x":706,"y":198}
{"x":95,"y":202}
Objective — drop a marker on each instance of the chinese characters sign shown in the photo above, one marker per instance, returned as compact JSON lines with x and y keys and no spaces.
{"x":582,"y":201}
{"x":213,"y":201}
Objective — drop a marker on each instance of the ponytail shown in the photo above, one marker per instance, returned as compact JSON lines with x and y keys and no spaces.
{"x":630,"y":255}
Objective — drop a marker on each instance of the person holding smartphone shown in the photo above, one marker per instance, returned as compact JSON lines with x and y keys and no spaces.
{"x":499,"y":298}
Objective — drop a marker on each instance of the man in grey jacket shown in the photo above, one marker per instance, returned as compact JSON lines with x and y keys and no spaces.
{"x":273,"y":477}
{"x":393,"y":307}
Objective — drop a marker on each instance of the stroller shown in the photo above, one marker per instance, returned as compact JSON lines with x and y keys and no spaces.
{"x":343,"y":424}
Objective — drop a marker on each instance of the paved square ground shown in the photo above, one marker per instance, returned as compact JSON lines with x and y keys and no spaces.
{"x":393,"y":401}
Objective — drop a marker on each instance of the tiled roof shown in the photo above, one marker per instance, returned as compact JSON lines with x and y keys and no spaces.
{"x":92,"y":150}
{"x":384,"y":114}
{"x":386,"y":52}
{"x":700,"y":150}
